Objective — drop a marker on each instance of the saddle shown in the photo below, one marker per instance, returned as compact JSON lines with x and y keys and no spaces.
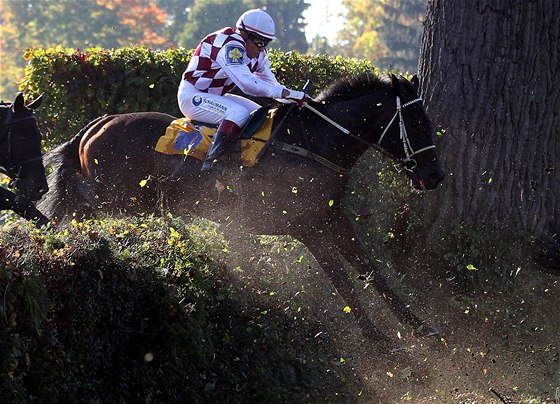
{"x":192,"y":138}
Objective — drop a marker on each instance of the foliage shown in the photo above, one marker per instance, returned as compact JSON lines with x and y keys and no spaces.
{"x":383,"y":206}
{"x":465,"y":251}
{"x":385,"y":31}
{"x":82,"y":24}
{"x":130,"y":311}
{"x":207,"y":16}
{"x":83,"y":307}
{"x":81,"y":85}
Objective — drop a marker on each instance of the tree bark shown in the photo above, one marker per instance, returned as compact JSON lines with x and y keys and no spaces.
{"x":489,"y":77}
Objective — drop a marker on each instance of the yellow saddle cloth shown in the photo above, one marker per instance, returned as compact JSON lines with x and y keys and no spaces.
{"x":182,"y":136}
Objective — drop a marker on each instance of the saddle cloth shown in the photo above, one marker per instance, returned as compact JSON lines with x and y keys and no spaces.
{"x":183,"y":136}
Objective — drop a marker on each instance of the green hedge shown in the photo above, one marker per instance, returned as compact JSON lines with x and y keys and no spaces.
{"x":82,"y":85}
{"x":130,"y":311}
{"x":83,"y":307}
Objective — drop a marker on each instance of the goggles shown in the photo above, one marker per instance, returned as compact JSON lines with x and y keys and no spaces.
{"x":258,"y":40}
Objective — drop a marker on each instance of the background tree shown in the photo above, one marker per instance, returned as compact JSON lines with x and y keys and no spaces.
{"x":78,"y":24}
{"x":177,"y":13}
{"x":117,"y":23}
{"x":489,"y":73}
{"x":206,"y":16}
{"x":387,"y":32}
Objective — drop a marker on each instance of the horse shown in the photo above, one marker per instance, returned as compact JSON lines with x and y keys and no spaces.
{"x":21,"y":159}
{"x":295,"y":189}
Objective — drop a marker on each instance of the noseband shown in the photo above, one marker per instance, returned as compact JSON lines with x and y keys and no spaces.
{"x":13,"y":171}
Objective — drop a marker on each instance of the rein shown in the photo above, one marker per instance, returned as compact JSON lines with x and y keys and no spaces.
{"x":408,"y":150}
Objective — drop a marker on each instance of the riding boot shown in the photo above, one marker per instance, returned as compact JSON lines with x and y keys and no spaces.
{"x":226,"y":134}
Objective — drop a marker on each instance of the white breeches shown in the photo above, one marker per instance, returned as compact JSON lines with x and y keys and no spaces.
{"x":213,"y":108}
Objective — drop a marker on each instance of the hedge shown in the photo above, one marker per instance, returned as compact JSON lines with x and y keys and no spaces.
{"x":82,"y":85}
{"x":130,"y":311}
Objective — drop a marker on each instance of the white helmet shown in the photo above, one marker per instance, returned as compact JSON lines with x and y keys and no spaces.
{"x":257,"y":21}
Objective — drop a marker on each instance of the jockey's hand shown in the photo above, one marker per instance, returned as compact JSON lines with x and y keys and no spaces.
{"x":297,"y":96}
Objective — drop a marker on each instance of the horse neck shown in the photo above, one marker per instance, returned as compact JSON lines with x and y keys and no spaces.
{"x":360,"y":116}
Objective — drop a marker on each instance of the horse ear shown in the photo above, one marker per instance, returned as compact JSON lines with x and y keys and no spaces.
{"x":19,"y":102}
{"x":396,"y":84}
{"x":415,"y":82}
{"x":36,"y":103}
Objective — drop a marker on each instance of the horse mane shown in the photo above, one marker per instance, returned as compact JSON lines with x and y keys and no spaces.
{"x":352,"y":87}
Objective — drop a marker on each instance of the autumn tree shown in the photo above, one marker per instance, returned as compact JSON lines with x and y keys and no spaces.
{"x":206,"y":16}
{"x":177,"y":14}
{"x":387,"y":32}
{"x":78,"y":24}
{"x":489,"y":72}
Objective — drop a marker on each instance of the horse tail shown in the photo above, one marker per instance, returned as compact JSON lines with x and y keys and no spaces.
{"x":66,"y":183}
{"x":546,"y":252}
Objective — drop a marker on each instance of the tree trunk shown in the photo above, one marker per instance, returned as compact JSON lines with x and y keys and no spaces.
{"x":489,"y":76}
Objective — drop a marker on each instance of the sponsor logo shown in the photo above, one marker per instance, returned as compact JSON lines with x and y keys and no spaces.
{"x":213,"y":105}
{"x":234,"y":55}
{"x":187,"y":141}
{"x":197,"y":100}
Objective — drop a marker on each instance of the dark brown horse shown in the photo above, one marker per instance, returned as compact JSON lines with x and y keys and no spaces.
{"x":21,"y":159}
{"x":296,"y":189}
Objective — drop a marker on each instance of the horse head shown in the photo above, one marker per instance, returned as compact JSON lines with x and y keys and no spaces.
{"x":20,"y":148}
{"x":407,"y":136}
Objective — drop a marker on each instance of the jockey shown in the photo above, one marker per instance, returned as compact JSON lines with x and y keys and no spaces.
{"x":229,"y":58}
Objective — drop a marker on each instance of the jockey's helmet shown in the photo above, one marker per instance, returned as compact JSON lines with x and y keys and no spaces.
{"x":258,"y":22}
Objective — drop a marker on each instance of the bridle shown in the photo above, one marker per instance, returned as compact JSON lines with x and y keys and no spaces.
{"x":408,"y":150}
{"x":14,"y":170}
{"x":408,"y":163}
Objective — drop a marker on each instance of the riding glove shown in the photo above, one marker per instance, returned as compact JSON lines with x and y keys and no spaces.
{"x":298,"y":96}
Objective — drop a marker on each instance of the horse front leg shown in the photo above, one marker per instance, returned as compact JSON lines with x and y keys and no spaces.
{"x":352,"y":250}
{"x":323,"y":249}
{"x":22,"y":206}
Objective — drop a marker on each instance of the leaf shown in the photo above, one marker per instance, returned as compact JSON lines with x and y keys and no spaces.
{"x":143,"y":183}
{"x":174,"y":233}
{"x":347,"y":309}
{"x":331,"y":202}
{"x":471,"y":267}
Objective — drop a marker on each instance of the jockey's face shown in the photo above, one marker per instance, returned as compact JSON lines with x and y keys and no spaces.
{"x":253,"y":49}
